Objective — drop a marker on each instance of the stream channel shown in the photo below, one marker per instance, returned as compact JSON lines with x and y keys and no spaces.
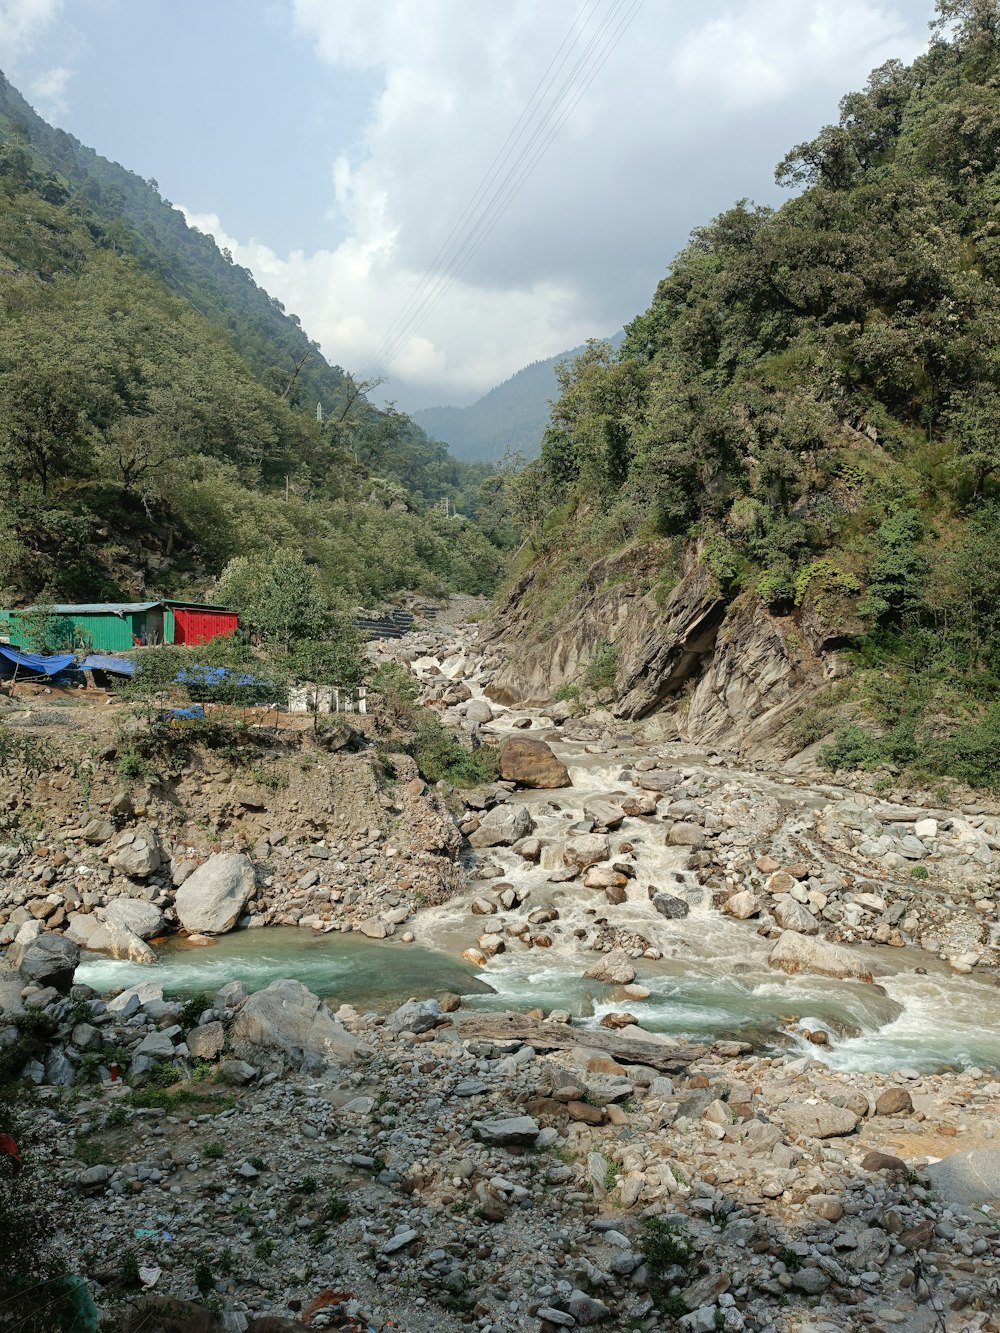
{"x":712,"y":981}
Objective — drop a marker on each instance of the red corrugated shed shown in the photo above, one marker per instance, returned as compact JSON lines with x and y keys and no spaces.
{"x":196,"y":626}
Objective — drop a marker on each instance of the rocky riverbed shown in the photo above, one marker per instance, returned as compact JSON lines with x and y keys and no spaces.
{"x":438,"y":1179}
{"x":778,"y":1112}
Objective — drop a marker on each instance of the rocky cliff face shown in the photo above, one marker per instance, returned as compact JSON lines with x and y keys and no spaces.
{"x":719,"y":672}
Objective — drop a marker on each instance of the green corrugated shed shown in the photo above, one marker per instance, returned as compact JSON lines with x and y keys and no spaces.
{"x":116,"y":626}
{"x":105,"y":626}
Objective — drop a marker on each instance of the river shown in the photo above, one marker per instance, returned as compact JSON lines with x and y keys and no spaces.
{"x":711,"y":982}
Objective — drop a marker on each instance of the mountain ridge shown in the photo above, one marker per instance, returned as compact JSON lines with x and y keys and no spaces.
{"x":510,"y":418}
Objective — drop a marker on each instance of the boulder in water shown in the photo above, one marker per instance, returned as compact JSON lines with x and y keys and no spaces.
{"x":800,"y":953}
{"x":503,"y":826}
{"x":615,"y":968}
{"x":669,"y":906}
{"x":532,"y":763}
{"x":743,"y":905}
{"x":211,"y":901}
{"x":586,"y":850}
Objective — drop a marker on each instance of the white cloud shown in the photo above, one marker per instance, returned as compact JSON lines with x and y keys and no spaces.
{"x":48,"y":92}
{"x":690,"y":111}
{"x":22,"y":23}
{"x":768,"y":48}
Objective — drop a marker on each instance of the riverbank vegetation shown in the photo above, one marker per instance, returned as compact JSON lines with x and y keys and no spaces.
{"x":812,"y":400}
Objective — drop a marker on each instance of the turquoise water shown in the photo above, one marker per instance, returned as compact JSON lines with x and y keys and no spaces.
{"x":366,"y":973}
{"x":924,"y":1022}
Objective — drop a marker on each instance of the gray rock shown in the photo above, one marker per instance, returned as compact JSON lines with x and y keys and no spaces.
{"x":287,"y":1017}
{"x":811,"y":1280}
{"x":614,"y":968}
{"x":93,"y":1177}
{"x":795,"y":953}
{"x":237,"y":1073}
{"x":206,"y":1042}
{"x":417,"y":1016}
{"x":669,"y":906}
{"x":230,"y":995}
{"x":400,"y":1241}
{"x":59,"y":1073}
{"x":553,"y":1316}
{"x":211,"y":901}
{"x":503,"y":826}
{"x":970,"y":1178}
{"x":470,"y":1087}
{"x":478,"y":710}
{"x":586,"y":1310}
{"x":586,"y":850}
{"x":743,"y":905}
{"x":504,"y":1130}
{"x":138,"y":853}
{"x":817,"y":1122}
{"x":136,"y":915}
{"x":791,"y":915}
{"x":46,"y":960}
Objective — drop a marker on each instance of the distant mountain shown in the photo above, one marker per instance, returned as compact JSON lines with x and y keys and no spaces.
{"x":511,"y":417}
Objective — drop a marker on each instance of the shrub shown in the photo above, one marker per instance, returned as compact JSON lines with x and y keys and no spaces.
{"x":602,"y":667}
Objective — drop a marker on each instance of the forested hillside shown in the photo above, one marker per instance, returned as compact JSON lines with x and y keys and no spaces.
{"x":158,"y":409}
{"x":510,"y":419}
{"x":810,"y":408}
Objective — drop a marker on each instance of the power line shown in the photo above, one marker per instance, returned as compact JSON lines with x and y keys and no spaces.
{"x":446,"y":280}
{"x":434,"y":299}
{"x":438,"y":263}
{"x":595,"y":55}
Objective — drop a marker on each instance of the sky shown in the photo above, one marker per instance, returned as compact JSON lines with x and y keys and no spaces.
{"x":335,"y":146}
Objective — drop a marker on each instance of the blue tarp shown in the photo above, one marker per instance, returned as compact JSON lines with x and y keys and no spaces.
{"x":215,"y":675}
{"x":35,"y":663}
{"x":119,"y":666}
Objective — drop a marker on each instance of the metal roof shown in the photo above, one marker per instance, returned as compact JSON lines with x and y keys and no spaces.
{"x":96,"y":608}
{"x":122,"y":608}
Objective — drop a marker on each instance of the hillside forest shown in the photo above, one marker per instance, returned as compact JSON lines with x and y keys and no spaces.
{"x":158,"y":411}
{"x":812,"y":403}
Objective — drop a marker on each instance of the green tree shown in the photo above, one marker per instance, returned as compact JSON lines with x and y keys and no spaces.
{"x":279,"y":597}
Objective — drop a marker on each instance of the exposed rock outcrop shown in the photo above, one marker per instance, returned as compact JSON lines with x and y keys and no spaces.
{"x":753,"y":671}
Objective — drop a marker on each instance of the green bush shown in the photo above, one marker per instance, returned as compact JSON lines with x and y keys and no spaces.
{"x":602,"y":667}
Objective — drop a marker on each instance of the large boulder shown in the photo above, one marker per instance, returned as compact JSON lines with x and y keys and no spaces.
{"x":45,"y":960}
{"x":136,"y":915}
{"x":586,"y":850}
{"x":791,"y":915}
{"x":138,"y":853}
{"x":123,"y":943}
{"x":532,"y":763}
{"x":743,"y":905}
{"x":819,"y":1121}
{"x":211,"y":901}
{"x":969,"y":1178}
{"x":503,"y":826}
{"x":287,"y":1017}
{"x":800,"y":953}
{"x":614,"y":968}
